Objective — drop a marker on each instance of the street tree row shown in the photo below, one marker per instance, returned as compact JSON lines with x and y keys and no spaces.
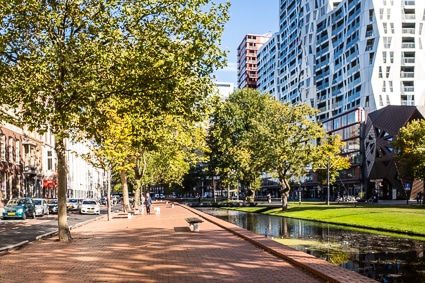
{"x":112,"y":73}
{"x":252,"y":133}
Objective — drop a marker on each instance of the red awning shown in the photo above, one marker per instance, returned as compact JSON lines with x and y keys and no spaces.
{"x":49,"y":184}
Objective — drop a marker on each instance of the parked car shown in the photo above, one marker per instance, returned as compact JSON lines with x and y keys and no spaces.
{"x":73,"y":204}
{"x":19,"y":208}
{"x":90,"y":206}
{"x":53,"y":206}
{"x":161,"y":196}
{"x":103,"y":200}
{"x":41,"y":207}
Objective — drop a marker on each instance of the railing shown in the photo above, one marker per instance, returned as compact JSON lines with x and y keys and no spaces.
{"x":407,"y":75}
{"x":408,"y":45}
{"x":408,"y":60}
{"x":408,"y":30}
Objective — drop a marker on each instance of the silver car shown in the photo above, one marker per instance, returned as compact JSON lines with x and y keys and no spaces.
{"x":41,"y":206}
{"x":73,"y":204}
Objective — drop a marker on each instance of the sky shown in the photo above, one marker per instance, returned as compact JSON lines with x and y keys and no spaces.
{"x":246,"y":16}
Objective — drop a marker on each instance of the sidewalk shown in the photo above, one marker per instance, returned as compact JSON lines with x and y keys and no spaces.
{"x":160,"y":248}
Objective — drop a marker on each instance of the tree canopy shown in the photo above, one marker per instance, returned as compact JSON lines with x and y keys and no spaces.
{"x":409,"y":148}
{"x":253,"y":133}
{"x":61,"y":60}
{"x":232,"y":138}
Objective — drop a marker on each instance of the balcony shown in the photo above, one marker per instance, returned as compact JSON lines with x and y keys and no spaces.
{"x":407,"y":74}
{"x":30,"y":171}
{"x":408,"y":45}
{"x":408,"y":60}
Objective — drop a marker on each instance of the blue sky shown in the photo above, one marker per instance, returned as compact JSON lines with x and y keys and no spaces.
{"x":246,"y":16}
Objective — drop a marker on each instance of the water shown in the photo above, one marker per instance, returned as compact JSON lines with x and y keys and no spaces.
{"x":385,"y":258}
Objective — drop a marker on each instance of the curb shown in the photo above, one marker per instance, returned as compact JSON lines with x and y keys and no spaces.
{"x":50,"y":234}
{"x":13,"y":247}
{"x":319,"y":267}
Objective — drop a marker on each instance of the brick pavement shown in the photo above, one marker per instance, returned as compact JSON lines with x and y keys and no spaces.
{"x":160,"y":248}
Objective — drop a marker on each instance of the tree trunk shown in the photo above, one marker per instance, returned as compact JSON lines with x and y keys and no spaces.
{"x":284,"y":190}
{"x":108,"y":194}
{"x":126,"y":203}
{"x":64,"y":231}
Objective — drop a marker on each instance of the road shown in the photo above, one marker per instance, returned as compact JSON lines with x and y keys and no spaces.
{"x":16,"y":231}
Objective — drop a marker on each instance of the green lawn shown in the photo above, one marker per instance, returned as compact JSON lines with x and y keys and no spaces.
{"x":406,"y":219}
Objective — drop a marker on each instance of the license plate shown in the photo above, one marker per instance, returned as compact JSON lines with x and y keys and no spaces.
{"x":70,"y":206}
{"x":11,"y":213}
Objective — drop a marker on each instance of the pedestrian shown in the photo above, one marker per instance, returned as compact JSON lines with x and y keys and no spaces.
{"x":148,"y":202}
{"x":142,"y":203}
{"x":269,"y":198}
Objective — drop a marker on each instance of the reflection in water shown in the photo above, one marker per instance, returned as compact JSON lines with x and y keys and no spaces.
{"x":384,"y":258}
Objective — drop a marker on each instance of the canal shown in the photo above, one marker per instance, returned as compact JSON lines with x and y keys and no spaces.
{"x":388,"y":258}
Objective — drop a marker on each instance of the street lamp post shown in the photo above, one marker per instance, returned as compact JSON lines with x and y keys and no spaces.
{"x":328,"y":179}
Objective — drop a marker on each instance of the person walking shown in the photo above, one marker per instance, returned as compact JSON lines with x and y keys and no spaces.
{"x":148,"y":202}
{"x":142,"y":203}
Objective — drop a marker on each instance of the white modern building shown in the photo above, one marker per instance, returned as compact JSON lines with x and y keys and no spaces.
{"x":268,"y":59}
{"x":225,"y":89}
{"x":347,"y":59}
{"x":340,"y":55}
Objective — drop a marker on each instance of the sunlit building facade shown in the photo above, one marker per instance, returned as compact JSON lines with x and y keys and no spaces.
{"x":352,"y":56}
{"x":268,"y":60}
{"x":247,"y":59}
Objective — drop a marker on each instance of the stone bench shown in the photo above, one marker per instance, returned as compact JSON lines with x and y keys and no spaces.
{"x":193,"y":223}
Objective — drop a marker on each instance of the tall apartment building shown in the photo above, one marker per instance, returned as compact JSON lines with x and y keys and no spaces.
{"x":268,"y":59}
{"x":348,"y":59}
{"x":247,"y":59}
{"x":340,"y":55}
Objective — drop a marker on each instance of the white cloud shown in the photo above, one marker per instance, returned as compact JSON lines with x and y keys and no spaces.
{"x":231,"y":67}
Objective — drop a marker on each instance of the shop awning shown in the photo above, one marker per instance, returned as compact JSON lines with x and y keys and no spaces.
{"x":49,"y":184}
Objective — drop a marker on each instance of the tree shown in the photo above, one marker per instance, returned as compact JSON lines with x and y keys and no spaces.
{"x":329,"y":161}
{"x":289,"y":137}
{"x":232,"y":138}
{"x":60,"y":60}
{"x":409,"y":148}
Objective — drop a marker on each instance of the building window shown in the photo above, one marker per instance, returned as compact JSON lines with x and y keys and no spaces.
{"x":391,"y":57}
{"x":10,"y":147}
{"x":49,"y":160}
{"x":18,"y":152}
{"x":387,"y":74}
{"x":384,"y":57}
{"x":384,"y":87}
{"x":380,"y":72}
{"x":385,"y":27}
{"x":3,"y":148}
{"x":387,"y":42}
